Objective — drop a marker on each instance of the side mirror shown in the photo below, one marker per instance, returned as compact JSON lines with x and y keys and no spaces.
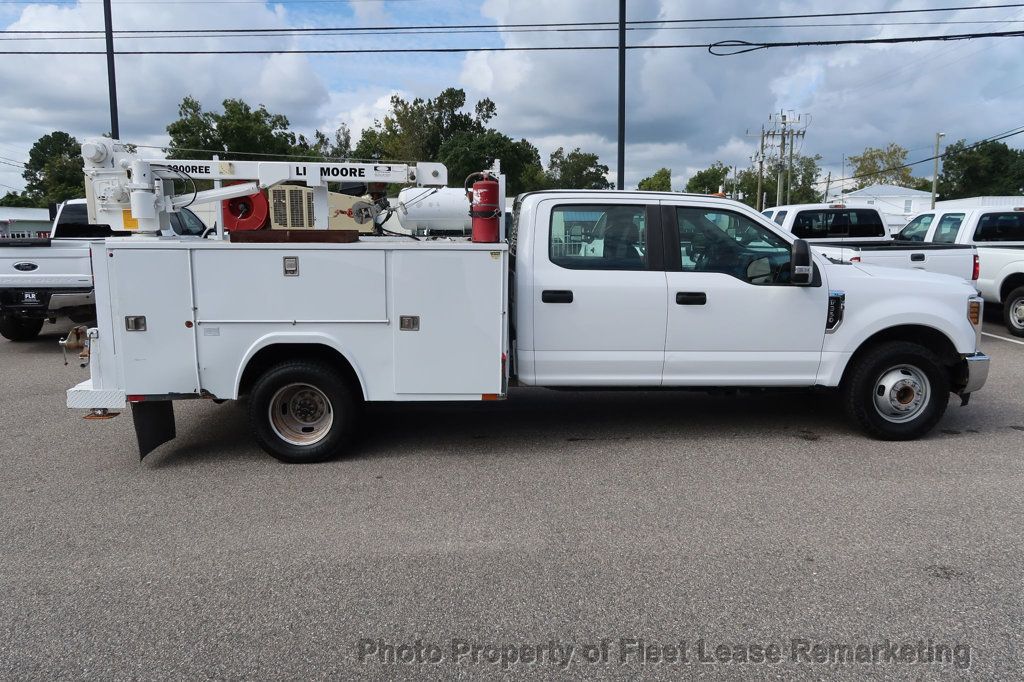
{"x":803,"y":269}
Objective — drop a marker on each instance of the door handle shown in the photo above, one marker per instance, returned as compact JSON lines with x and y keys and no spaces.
{"x":691,"y":298}
{"x":556,"y":296}
{"x":917,"y":257}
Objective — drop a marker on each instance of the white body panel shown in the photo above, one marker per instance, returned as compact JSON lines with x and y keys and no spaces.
{"x":348,"y":297}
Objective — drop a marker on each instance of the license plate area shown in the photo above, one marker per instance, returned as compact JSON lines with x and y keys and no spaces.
{"x":31,"y":298}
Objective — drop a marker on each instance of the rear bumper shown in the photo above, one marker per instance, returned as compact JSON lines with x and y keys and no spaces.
{"x":28,"y":302}
{"x":84,"y":396}
{"x":975,"y":372}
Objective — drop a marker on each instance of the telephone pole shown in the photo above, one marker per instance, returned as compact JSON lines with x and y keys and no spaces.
{"x":935,"y":176}
{"x":793,"y":134}
{"x":760,"y":171}
{"x":782,"y":164}
{"x":621,"y":168}
{"x":115,"y":132}
{"x":789,"y":128}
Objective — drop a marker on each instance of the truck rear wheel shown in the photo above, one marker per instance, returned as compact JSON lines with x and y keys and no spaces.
{"x":303,"y":411}
{"x":897,"y":391}
{"x":1013,"y":312}
{"x":20,"y":328}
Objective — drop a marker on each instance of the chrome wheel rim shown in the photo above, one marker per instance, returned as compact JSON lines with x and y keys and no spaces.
{"x":301,"y":414}
{"x":901,"y":393}
{"x":1017,"y":313}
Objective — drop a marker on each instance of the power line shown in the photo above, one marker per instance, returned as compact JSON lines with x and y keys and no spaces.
{"x":724,"y":48}
{"x":614,"y":24}
{"x":131,"y":34}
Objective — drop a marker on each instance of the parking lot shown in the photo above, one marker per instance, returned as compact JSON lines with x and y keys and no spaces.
{"x":553,"y":517}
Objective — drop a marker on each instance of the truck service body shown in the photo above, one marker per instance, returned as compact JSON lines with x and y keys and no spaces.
{"x":859,"y":234}
{"x":588,"y":289}
{"x":998,"y":235}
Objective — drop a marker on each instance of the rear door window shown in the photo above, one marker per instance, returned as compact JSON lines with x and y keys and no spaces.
{"x":948,"y":228}
{"x":838,"y":223}
{"x":1000,"y":227}
{"x":780,"y":217}
{"x":917,"y":229}
{"x":599,"y":237}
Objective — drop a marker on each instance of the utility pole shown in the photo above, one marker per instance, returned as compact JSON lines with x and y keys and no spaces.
{"x":621,"y":170}
{"x":115,"y":131}
{"x":793,"y":134}
{"x":828,"y":185}
{"x":935,"y":176}
{"x":760,"y":172}
{"x":782,"y":164}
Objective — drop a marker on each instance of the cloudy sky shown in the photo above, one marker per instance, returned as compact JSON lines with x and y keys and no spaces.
{"x":685,"y":108}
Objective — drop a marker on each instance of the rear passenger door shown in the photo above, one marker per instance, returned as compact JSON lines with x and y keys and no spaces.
{"x":733,"y":317}
{"x":598,"y":293}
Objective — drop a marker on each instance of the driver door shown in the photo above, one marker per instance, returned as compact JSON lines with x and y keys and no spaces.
{"x":733,"y":317}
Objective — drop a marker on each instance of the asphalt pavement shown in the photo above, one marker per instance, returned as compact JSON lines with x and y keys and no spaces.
{"x":597,"y":534}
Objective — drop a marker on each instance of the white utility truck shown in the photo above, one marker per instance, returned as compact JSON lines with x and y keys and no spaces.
{"x":860,"y":235}
{"x":660,"y":290}
{"x":43,"y":279}
{"x":998,"y":235}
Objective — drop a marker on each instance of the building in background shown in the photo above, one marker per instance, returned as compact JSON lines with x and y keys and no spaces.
{"x":24,"y":223}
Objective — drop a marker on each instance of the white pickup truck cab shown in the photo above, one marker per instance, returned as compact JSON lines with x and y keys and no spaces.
{"x":43,"y":279}
{"x":998,"y":235}
{"x":860,"y":235}
{"x":590,"y":289}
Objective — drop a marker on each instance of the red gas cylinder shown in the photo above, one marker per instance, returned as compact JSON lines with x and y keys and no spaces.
{"x":485,"y":209}
{"x":246,"y":213}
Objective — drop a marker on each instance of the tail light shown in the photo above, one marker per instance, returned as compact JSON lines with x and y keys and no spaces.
{"x":977,"y":268}
{"x":855,"y":259}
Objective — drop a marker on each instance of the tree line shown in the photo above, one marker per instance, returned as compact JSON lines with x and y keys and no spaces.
{"x":444,"y":129}
{"x":437,"y":129}
{"x":991,"y":168}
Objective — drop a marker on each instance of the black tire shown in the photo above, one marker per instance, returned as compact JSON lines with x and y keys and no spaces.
{"x":903,"y":367}
{"x":310,"y":400}
{"x":1013,"y":312}
{"x":20,"y":328}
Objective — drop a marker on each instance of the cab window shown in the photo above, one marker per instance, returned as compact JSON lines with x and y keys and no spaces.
{"x":780,"y":217}
{"x":598,"y":237}
{"x":713,"y":240}
{"x":1000,"y":227}
{"x":949,"y":226}
{"x":838,"y":223}
{"x":917,"y":229}
{"x":187,"y":223}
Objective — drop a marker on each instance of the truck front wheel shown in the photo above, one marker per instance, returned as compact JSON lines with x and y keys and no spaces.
{"x":20,"y":328}
{"x":897,"y":391}
{"x":302,"y":411}
{"x":1013,"y":312}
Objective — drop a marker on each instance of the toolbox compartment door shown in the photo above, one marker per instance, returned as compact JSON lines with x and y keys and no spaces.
{"x":155,"y":284}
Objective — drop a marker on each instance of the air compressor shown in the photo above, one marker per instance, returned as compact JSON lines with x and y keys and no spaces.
{"x":484,"y":206}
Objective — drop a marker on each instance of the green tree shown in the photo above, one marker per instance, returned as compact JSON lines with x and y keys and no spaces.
{"x":992,"y":168}
{"x":468,"y":152}
{"x":53,"y":172}
{"x":661,"y":181}
{"x":240,"y":130}
{"x":709,"y":180}
{"x":18,"y":200}
{"x":416,"y":130}
{"x":882,"y":165}
{"x":576,"y":170}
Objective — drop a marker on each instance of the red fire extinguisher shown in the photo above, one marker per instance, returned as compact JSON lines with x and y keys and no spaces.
{"x":484,"y":207}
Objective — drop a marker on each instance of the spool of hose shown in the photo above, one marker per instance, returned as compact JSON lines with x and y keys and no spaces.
{"x":246,"y":213}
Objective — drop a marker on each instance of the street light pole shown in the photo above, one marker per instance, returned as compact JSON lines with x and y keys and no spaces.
{"x":115,"y":131}
{"x":621,"y":169}
{"x":935,"y":176}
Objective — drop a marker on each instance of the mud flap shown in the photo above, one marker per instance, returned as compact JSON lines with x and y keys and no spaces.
{"x":154,"y":424}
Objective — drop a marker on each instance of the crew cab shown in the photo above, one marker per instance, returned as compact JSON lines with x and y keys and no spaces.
{"x":590,"y":289}
{"x":859,"y":235}
{"x":43,"y":279}
{"x":998,"y":235}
